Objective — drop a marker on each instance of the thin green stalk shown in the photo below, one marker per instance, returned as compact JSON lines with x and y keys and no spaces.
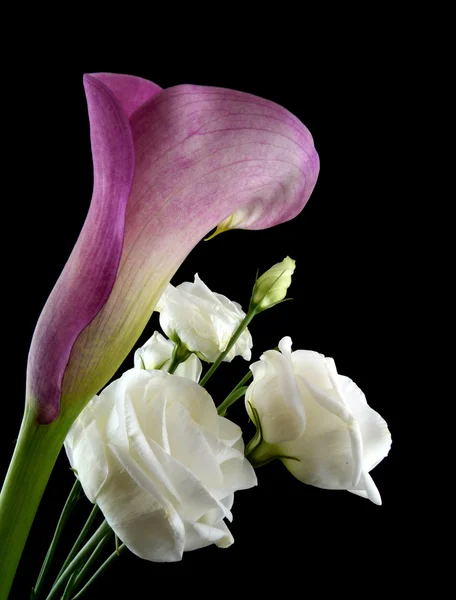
{"x":234,"y":395}
{"x":78,"y":560}
{"x":69,"y":587}
{"x":93,"y":557}
{"x":36,"y":451}
{"x":245,"y":322}
{"x":243,"y":381}
{"x":81,"y":538}
{"x":180,"y":355}
{"x":69,"y":505}
{"x":101,"y":570}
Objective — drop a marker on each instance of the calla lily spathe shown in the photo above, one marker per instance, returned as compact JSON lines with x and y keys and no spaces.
{"x":169,"y":166}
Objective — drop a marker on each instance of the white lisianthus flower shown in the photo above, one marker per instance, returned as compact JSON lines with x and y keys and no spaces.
{"x":203,"y":320}
{"x":320,"y":418}
{"x":156,"y":355}
{"x":161,"y":464}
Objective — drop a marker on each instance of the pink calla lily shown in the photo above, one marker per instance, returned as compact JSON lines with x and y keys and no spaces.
{"x":170,"y":165}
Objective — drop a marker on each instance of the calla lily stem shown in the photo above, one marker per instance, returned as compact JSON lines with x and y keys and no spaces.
{"x":36,"y":451}
{"x":244,"y":323}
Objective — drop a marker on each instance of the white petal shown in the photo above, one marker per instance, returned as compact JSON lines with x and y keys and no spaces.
{"x":366,"y":488}
{"x":85,"y":448}
{"x":155,"y":352}
{"x":285,"y":345}
{"x":374,"y":430}
{"x":189,"y":446}
{"x":195,"y":499}
{"x":200,"y":535}
{"x":147,"y":523}
{"x":258,"y":369}
{"x":191,"y":368}
{"x":311,"y":366}
{"x":335,"y":405}
{"x":228,"y":431}
{"x":324,"y":450}
{"x":238,"y":474}
{"x":227,"y":540}
{"x":278,"y":400}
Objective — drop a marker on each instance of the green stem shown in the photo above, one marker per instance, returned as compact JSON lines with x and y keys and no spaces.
{"x":103,"y":567}
{"x":78,"y":560}
{"x":86,"y":568}
{"x":69,"y":587}
{"x":36,"y":451}
{"x":69,"y":505}
{"x":81,"y":538}
{"x":234,"y":395}
{"x":243,"y":381}
{"x":245,"y":322}
{"x":180,"y":355}
{"x":231,"y":399}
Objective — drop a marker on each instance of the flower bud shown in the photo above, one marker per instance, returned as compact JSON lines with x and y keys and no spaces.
{"x":156,"y":354}
{"x":272,"y":286}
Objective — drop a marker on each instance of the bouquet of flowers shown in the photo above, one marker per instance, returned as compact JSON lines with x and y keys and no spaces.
{"x":153,"y":451}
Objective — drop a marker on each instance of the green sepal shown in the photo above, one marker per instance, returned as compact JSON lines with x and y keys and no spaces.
{"x":258,"y":436}
{"x":275,"y":304}
{"x":260,"y":463}
{"x":256,"y":306}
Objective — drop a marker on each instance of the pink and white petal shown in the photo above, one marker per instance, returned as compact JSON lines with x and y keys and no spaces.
{"x":201,"y":155}
{"x":131,"y":92}
{"x":89,"y":275}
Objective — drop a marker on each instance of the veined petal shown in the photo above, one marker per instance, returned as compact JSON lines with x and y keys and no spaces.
{"x":201,"y":154}
{"x":131,"y":92}
{"x":89,"y":275}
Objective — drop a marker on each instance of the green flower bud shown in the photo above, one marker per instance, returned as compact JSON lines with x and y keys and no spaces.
{"x":272,"y":286}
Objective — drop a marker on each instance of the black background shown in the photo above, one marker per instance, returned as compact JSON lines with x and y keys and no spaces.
{"x":344,"y":288}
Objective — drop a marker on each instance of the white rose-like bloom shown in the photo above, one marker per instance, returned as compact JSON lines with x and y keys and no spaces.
{"x":156,"y":355}
{"x":161,"y":464}
{"x":203,"y":320}
{"x":310,"y":412}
